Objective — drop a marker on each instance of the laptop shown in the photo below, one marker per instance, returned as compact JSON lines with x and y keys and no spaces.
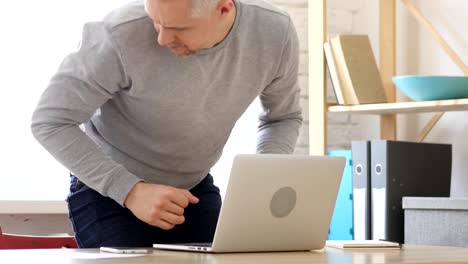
{"x":275,"y":202}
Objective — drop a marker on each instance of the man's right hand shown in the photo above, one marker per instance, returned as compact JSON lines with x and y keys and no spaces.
{"x":159,"y":205}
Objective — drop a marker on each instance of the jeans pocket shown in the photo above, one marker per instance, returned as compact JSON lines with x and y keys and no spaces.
{"x":75,"y":184}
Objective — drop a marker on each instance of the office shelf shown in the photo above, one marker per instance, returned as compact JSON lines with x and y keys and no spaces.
{"x":318,"y":106}
{"x":403,"y":107}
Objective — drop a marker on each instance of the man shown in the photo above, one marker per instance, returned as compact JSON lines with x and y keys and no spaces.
{"x":159,"y":86}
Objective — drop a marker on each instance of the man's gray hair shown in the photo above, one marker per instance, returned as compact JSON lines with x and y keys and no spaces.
{"x":203,"y":7}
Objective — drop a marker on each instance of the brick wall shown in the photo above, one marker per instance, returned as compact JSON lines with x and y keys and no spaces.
{"x":340,"y":15}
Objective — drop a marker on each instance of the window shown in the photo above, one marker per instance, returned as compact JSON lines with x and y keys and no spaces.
{"x":35,"y":37}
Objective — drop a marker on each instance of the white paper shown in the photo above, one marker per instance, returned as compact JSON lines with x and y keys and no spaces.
{"x":361,"y":244}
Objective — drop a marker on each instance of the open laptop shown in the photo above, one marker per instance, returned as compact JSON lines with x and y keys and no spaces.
{"x":275,"y":202}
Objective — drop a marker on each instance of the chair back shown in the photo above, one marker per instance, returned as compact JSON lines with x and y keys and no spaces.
{"x":12,"y":241}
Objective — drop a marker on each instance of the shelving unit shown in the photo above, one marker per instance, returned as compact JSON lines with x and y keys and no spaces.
{"x":318,"y":106}
{"x":403,"y":107}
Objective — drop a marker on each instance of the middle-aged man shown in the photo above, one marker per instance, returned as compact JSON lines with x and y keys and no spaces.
{"x":159,"y":86}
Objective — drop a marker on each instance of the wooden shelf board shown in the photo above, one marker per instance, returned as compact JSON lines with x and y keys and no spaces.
{"x":403,"y":107}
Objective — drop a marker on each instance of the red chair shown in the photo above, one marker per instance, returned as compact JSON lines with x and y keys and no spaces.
{"x":10,"y":241}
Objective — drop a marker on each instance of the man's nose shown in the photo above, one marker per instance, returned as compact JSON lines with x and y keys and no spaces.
{"x":165,"y":37}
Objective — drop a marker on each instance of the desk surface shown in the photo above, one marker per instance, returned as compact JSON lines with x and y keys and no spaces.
{"x":408,"y":254}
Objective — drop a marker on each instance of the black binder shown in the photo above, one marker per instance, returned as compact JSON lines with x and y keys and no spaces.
{"x":361,"y":154}
{"x":404,"y":169}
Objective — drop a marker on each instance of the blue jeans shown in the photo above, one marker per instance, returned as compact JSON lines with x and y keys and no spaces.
{"x":100,"y":221}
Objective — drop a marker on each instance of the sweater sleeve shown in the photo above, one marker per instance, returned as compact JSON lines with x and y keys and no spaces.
{"x":281,"y":118}
{"x":85,"y":80}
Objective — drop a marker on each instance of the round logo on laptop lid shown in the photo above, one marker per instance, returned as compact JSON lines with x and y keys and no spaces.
{"x":283,"y":202}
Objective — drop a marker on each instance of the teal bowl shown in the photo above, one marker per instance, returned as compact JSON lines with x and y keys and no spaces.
{"x":428,"y":88}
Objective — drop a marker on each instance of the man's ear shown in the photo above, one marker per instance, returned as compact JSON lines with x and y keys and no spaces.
{"x":225,"y":7}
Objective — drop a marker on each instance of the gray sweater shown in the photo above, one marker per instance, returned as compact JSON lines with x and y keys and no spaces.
{"x":151,"y":116}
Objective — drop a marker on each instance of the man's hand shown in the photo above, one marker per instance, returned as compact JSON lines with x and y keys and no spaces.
{"x":159,"y":205}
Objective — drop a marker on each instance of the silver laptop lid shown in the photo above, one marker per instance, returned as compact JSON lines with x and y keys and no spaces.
{"x":278,"y":203}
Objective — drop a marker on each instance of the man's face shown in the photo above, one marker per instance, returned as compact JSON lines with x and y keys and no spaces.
{"x":178,"y":30}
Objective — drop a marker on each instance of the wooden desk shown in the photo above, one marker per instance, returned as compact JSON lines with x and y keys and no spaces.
{"x":408,"y":254}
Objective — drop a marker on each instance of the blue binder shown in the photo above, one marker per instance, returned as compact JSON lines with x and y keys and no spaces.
{"x":341,"y":227}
